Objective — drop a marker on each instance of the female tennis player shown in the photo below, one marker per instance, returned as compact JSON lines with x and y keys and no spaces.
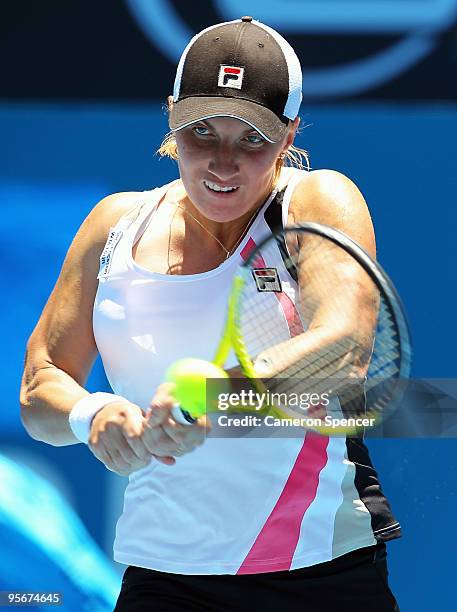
{"x":209,"y":523}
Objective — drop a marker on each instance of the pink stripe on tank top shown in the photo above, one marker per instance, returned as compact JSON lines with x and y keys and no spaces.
{"x":278,"y":538}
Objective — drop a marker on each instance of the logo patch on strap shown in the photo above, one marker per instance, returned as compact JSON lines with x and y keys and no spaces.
{"x":230,"y":76}
{"x":267,"y":279}
{"x":107,"y":255}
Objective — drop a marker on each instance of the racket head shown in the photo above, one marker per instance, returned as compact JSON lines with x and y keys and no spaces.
{"x":312,"y":275}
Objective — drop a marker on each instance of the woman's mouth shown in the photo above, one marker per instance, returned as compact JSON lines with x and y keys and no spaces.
{"x":220,"y":189}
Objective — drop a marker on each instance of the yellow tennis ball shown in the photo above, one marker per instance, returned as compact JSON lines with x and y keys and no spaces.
{"x":190,"y":376}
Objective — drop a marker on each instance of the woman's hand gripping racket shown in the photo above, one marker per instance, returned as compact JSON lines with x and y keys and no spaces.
{"x":318,"y":328}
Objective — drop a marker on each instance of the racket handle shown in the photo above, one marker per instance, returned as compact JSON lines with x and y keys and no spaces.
{"x":181,"y":416}
{"x":263,"y":367}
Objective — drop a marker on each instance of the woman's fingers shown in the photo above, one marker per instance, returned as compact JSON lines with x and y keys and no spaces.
{"x":125,"y":439}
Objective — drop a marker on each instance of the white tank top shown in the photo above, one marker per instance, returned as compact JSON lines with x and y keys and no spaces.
{"x":234,"y":505}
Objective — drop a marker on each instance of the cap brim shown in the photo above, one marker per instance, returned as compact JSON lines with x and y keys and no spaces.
{"x":198,"y":108}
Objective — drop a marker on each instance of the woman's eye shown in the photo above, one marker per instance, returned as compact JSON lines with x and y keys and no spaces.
{"x":201,"y":130}
{"x":254,"y":138}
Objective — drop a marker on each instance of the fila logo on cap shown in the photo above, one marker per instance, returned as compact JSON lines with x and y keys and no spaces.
{"x":267,"y":279}
{"x":230,"y":76}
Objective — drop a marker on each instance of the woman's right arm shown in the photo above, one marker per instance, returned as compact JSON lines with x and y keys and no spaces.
{"x":61,"y":350}
{"x":60,"y":354}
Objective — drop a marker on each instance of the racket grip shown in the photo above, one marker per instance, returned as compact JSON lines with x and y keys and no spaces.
{"x":181,"y":416}
{"x":262,"y":366}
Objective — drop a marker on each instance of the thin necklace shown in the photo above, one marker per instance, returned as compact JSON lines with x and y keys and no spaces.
{"x":226,"y":251}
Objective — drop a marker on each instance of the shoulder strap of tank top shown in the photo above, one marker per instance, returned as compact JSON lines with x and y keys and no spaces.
{"x":131,"y":220}
{"x":276,"y":217}
{"x":273,"y":214}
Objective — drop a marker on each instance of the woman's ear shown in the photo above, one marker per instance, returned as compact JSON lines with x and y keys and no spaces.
{"x":170,"y":103}
{"x":291,"y":134}
{"x":294,"y":128}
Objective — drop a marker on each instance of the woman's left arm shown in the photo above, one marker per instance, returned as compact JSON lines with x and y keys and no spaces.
{"x":337,"y":300}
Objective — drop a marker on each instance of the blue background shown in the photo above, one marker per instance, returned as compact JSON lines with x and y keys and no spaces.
{"x":59,"y":159}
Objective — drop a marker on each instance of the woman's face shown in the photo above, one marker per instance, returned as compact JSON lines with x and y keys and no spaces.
{"x":226,"y":166}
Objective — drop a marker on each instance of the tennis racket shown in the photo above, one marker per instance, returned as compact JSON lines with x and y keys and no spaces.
{"x":312,"y":315}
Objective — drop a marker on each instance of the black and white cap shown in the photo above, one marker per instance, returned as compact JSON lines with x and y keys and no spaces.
{"x":242,"y":69}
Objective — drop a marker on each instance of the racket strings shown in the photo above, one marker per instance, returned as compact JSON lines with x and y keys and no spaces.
{"x":269,"y":319}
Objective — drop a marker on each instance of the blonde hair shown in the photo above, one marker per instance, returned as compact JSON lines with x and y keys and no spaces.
{"x":294,"y":156}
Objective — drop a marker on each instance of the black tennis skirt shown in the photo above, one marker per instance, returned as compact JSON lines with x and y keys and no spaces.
{"x":355,"y":582}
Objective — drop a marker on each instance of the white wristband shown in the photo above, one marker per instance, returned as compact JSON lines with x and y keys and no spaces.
{"x":85,"y":409}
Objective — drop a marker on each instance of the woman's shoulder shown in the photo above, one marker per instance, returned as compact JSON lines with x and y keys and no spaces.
{"x":110,"y":209}
{"x":331,"y":198}
{"x":95,"y":228}
{"x":105,"y":215}
{"x":323,"y":182}
{"x":117,"y":205}
{"x":326,"y":194}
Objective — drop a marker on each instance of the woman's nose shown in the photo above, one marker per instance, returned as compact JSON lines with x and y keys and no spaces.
{"x":223,"y":163}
